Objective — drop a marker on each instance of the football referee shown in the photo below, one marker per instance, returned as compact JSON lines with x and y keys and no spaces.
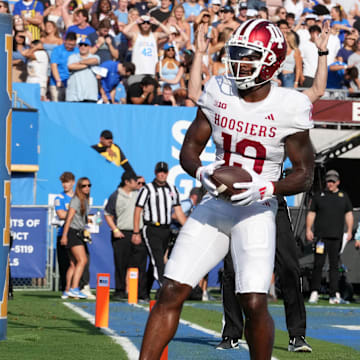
{"x":156,"y":200}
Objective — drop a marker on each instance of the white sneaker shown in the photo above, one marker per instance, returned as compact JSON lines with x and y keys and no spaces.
{"x":86,"y":290}
{"x":205,"y":296}
{"x":314,"y":297}
{"x":337,"y":300}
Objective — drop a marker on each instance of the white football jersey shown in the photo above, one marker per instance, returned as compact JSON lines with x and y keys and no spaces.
{"x":253,"y":134}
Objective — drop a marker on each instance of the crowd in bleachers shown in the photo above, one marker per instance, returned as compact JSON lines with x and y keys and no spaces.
{"x":140,"y":51}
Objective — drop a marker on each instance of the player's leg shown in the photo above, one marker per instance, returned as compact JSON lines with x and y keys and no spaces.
{"x":259,"y":326}
{"x":253,"y":252}
{"x":198,"y":248}
{"x":163,"y":319}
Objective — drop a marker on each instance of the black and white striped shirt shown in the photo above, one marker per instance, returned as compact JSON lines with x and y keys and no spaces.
{"x":157,"y":202}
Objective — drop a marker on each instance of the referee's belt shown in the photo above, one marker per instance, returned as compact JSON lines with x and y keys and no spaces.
{"x":157,"y":225}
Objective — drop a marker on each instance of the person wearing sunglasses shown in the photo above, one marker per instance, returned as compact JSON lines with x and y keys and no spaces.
{"x":73,"y":238}
{"x":82,"y":85}
{"x":145,"y":49}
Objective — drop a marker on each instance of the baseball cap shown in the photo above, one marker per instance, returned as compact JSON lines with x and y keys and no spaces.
{"x":332,"y":175}
{"x":167,"y":46}
{"x":243,"y":5}
{"x":216,"y":2}
{"x":106,"y":134}
{"x":85,"y":41}
{"x":228,"y":8}
{"x":311,"y":16}
{"x":161,"y":166}
{"x":251,"y":12}
{"x":145,"y":18}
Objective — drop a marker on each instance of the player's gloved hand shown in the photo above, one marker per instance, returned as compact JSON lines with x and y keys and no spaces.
{"x":257,"y":189}
{"x":203,"y":174}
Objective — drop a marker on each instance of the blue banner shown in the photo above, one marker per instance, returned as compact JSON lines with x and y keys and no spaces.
{"x":28,"y":253}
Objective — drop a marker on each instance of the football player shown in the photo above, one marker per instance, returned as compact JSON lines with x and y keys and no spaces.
{"x":253,"y":125}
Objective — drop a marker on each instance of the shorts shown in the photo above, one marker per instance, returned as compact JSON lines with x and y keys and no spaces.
{"x":74,"y":239}
{"x":205,"y":238}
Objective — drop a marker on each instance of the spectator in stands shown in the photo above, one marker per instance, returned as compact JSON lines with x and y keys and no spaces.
{"x":348,"y":48}
{"x":283,"y":26}
{"x":112,"y":152}
{"x":192,"y":10}
{"x":177,"y":37}
{"x":105,"y":12}
{"x":214,"y":9}
{"x":102,"y":43}
{"x":32,"y":16}
{"x":161,"y":14}
{"x":352,"y":81}
{"x":178,"y":13}
{"x":37,"y":66}
{"x":354,"y":59}
{"x":339,"y":22}
{"x":143,"y":92}
{"x":119,"y":215}
{"x":169,"y":70}
{"x":336,"y":75}
{"x":122,"y":13}
{"x":4,"y":7}
{"x":54,"y":13}
{"x":218,"y":66}
{"x":243,"y":7}
{"x":140,"y":181}
{"x":280,"y":13}
{"x":330,"y":210}
{"x":205,"y":19}
{"x":290,"y":18}
{"x":108,"y":83}
{"x":263,"y":13}
{"x":50,"y":37}
{"x":303,"y":26}
{"x":144,"y":53}
{"x":82,"y":85}
{"x":62,"y":202}
{"x":292,"y":66}
{"x":19,"y":72}
{"x":294,"y":6}
{"x":59,"y":66}
{"x":81,"y":26}
{"x":73,"y":237}
{"x":309,"y":55}
{"x":167,"y":96}
{"x":229,"y":20}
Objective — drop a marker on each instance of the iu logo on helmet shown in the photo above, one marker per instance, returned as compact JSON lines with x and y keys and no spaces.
{"x":276,"y":35}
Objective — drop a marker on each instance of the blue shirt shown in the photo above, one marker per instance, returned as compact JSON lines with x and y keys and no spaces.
{"x":81,"y":34}
{"x":335,"y":78}
{"x":62,"y":202}
{"x":120,"y":92}
{"x":21,"y":9}
{"x":112,"y":78}
{"x":342,"y":32}
{"x":60,"y":57}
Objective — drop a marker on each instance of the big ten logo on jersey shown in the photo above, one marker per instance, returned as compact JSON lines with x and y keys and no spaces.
{"x":220,"y":104}
{"x":177,"y":175}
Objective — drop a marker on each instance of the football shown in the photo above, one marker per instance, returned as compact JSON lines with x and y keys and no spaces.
{"x":225,"y":176}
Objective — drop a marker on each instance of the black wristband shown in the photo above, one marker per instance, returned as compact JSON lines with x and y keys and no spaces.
{"x":136,"y":233}
{"x":323,"y":53}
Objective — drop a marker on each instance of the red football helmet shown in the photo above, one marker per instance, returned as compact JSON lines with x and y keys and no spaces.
{"x":262,"y":44}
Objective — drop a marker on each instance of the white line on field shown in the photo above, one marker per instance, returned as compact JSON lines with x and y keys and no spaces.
{"x":130,"y":349}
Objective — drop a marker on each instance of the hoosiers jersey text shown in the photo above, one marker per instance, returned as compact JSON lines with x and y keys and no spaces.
{"x":253,"y":134}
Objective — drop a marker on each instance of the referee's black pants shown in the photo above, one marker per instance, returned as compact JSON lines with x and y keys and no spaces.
{"x":156,"y":240}
{"x":332,"y":248}
{"x":287,"y":268}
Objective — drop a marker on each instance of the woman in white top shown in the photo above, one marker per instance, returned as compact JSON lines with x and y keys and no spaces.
{"x":292,"y":67}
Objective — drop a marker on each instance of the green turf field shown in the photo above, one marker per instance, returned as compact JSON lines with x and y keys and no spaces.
{"x":40,"y":327}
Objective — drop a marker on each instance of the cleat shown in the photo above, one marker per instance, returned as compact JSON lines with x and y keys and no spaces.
{"x":228,"y":343}
{"x":299,"y":344}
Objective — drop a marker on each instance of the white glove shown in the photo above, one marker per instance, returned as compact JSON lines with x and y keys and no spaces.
{"x":257,"y":189}
{"x":203,"y":174}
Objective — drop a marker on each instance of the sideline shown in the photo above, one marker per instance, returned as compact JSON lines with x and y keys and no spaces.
{"x":130,"y":349}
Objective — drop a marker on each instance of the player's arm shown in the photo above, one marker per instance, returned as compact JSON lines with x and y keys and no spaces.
{"x":194,"y":143}
{"x":301,"y":154}
{"x":319,"y":86}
